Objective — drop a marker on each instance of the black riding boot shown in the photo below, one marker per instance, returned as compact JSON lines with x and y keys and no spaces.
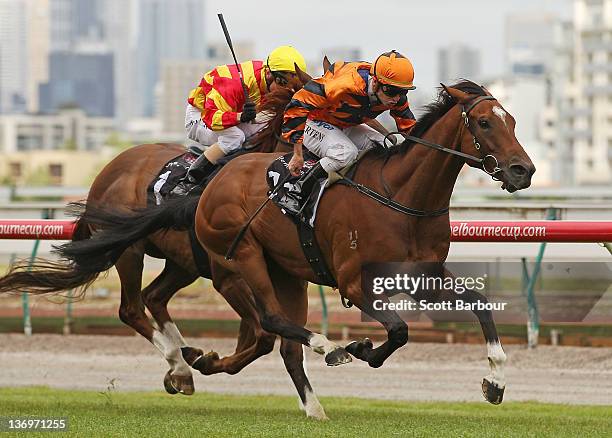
{"x":197,"y":173}
{"x":295,"y":198}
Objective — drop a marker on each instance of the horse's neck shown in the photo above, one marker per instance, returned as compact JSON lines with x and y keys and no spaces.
{"x":424,"y":178}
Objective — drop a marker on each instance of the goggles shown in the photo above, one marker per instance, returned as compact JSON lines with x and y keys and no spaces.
{"x":279,"y":78}
{"x":392,"y":91}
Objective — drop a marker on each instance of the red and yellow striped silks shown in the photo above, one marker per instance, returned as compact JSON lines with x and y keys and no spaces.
{"x":220,"y":96}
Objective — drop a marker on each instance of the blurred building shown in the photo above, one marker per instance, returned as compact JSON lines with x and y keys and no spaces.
{"x":458,"y":61}
{"x":166,"y":30}
{"x":554,"y":130}
{"x":577,"y":123}
{"x":13,"y":58}
{"x":525,"y":90}
{"x":219,"y":53}
{"x":590,"y":95}
{"x":52,"y":168}
{"x":38,"y":50}
{"x":74,"y":21}
{"x":69,"y":129}
{"x":530,"y":42}
{"x":92,"y":27}
{"x":83,"y":80}
{"x":120,"y":37}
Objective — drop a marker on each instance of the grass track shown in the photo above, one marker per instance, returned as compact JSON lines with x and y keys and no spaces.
{"x":156,"y":414}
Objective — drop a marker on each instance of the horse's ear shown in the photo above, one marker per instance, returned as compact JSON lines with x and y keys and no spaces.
{"x":302,"y":75}
{"x":458,"y":95}
{"x":326,"y":64}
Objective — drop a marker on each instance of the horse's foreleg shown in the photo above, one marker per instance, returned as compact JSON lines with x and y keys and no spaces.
{"x":156,"y":297}
{"x":494,"y":383}
{"x":131,"y":312}
{"x":397,"y":329}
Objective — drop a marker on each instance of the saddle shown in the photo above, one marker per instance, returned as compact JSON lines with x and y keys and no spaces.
{"x":280,"y":181}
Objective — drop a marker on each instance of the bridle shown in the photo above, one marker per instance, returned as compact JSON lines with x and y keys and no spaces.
{"x":465,"y":112}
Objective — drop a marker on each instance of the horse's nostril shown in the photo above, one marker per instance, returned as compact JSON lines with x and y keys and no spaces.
{"x":519,"y":170}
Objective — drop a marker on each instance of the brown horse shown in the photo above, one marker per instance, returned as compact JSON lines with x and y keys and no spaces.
{"x":466,"y":119}
{"x":119,"y":184}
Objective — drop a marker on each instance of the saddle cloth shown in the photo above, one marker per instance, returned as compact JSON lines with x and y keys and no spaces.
{"x":278,"y":173}
{"x":169,"y":176}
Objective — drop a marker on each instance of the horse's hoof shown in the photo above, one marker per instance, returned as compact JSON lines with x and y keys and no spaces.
{"x":493,"y":393}
{"x":204,"y":363}
{"x":339,"y":356}
{"x":184,"y":384}
{"x":170,"y":389}
{"x":360,"y":349}
{"x":191,"y":354}
{"x":175,"y":384}
{"x":375,"y":363}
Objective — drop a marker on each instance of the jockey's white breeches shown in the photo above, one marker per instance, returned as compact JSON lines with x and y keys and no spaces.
{"x":229,"y":139}
{"x":338,"y":147}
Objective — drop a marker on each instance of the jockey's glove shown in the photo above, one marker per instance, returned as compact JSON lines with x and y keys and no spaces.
{"x":248,"y":112}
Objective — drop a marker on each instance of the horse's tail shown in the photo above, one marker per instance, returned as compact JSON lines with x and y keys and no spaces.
{"x":87,"y":255}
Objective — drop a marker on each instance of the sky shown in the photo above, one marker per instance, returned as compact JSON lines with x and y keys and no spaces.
{"x":416,"y":29}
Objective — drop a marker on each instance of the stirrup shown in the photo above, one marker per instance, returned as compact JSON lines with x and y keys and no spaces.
{"x":183,"y":188}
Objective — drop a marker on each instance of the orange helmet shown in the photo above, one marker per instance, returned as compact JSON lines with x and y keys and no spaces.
{"x":393,"y":68}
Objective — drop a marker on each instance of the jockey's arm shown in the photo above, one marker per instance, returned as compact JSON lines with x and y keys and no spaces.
{"x":297,"y":161}
{"x":403,"y":116}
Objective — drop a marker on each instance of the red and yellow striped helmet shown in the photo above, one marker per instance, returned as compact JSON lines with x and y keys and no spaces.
{"x":393,"y":68}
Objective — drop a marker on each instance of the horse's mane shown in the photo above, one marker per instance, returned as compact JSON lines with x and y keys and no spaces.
{"x":435,"y":110}
{"x":274,"y":106}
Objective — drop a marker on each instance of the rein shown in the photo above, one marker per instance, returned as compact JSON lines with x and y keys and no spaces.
{"x":465,"y":115}
{"x":388,"y":202}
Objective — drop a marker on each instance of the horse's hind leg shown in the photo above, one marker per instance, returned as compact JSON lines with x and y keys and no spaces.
{"x":253,"y":268}
{"x":131,"y":312}
{"x":253,"y":341}
{"x":292,"y":293}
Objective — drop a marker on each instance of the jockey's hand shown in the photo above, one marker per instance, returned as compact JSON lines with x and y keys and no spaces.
{"x":248,"y":112}
{"x":295,"y":164}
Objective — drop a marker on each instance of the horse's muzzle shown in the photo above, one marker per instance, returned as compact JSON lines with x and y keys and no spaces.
{"x":517,"y":176}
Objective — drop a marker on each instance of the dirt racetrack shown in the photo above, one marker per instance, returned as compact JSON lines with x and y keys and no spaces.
{"x":426,"y":372}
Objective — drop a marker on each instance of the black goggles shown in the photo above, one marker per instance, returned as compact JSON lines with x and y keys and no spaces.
{"x":392,"y":91}
{"x":279,"y":78}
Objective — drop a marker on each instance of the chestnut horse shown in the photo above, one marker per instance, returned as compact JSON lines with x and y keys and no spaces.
{"x":466,"y":119}
{"x":119,"y":184}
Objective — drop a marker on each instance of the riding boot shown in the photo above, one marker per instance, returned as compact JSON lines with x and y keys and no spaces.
{"x":296,"y":197}
{"x":196,"y":174}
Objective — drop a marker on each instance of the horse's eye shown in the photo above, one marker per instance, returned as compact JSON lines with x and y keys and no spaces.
{"x":483,"y":123}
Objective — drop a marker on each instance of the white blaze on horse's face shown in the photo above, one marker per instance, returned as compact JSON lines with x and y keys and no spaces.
{"x":499,"y":112}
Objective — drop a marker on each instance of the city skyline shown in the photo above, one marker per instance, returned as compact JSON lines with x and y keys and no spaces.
{"x":135,"y":60}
